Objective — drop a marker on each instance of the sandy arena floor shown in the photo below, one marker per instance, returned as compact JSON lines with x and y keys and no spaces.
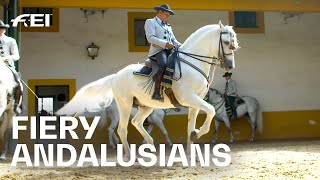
{"x":259,"y":160}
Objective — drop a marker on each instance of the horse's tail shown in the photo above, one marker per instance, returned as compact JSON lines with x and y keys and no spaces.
{"x":259,"y":116}
{"x":93,"y":97}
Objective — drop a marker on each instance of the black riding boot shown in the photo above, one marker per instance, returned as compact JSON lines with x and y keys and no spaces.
{"x":235,"y":115}
{"x":17,"y":94}
{"x":156,"y":95}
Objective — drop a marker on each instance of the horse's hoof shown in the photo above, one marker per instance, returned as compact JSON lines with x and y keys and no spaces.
{"x":214,"y":142}
{"x":3,"y":158}
{"x":193,"y":136}
{"x":252,"y":140}
{"x":170,"y":144}
{"x":231,"y":141}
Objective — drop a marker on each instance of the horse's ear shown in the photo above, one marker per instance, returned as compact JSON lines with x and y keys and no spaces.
{"x":222,"y":28}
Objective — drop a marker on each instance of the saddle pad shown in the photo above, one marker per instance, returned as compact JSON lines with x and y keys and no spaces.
{"x":145,"y":71}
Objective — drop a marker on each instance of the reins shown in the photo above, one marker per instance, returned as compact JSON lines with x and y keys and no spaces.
{"x":197,"y":57}
{"x":215,"y":104}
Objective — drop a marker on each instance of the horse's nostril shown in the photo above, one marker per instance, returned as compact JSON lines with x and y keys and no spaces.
{"x":230,"y":67}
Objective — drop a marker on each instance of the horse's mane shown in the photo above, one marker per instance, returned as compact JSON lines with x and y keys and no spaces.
{"x":217,"y":91}
{"x":231,"y":30}
{"x":203,"y":30}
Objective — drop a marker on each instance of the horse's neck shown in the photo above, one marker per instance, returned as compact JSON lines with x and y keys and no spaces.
{"x":6,"y":76}
{"x":213,"y":70}
{"x":201,"y":46}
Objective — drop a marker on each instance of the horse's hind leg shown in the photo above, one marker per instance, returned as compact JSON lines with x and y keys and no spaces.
{"x":112,"y":135}
{"x":159,"y":123}
{"x":252,"y":118}
{"x":124,"y":106}
{"x":216,"y":130}
{"x":113,"y":114}
{"x":139,"y":118}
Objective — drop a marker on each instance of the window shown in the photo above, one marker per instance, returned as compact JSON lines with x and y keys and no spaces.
{"x":247,"y":21}
{"x":46,"y":104}
{"x":54,"y":19}
{"x":136,"y":35}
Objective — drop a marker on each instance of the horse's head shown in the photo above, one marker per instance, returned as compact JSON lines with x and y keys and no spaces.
{"x":228,"y":43}
{"x":214,"y":97}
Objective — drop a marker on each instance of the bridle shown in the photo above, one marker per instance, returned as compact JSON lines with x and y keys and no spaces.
{"x":221,"y":56}
{"x":219,"y":104}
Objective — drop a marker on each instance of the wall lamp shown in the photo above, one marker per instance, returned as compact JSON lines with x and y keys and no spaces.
{"x":93,"y":50}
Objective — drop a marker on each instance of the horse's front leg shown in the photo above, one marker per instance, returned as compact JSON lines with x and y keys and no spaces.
{"x":6,"y":131}
{"x":150,"y":127}
{"x":227,"y":123}
{"x":192,"y":119}
{"x":199,"y":103}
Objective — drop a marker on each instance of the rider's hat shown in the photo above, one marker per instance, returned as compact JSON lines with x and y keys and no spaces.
{"x":227,"y":74}
{"x":164,"y":7}
{"x":3,"y":25}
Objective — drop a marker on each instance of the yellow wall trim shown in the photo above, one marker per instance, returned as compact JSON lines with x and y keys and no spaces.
{"x":226,"y":5}
{"x":277,"y":125}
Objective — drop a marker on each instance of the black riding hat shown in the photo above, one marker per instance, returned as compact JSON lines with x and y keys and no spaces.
{"x":3,"y":25}
{"x":227,"y":74}
{"x":164,"y":7}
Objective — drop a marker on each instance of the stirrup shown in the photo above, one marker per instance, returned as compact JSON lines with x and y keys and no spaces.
{"x":157,"y":97}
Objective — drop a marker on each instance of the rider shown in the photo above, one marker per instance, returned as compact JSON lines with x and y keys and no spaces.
{"x":10,"y":53}
{"x":231,"y":93}
{"x":160,"y":35}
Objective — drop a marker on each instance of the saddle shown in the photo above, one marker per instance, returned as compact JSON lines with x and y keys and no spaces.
{"x":238,"y":101}
{"x":150,"y":70}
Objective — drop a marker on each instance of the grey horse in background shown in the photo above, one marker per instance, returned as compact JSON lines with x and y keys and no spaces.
{"x":248,"y":109}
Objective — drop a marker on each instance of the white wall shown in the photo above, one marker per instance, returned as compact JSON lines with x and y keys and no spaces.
{"x":279,"y":68}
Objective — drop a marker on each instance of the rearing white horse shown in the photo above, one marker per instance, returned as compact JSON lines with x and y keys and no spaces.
{"x":7,"y":84}
{"x":209,"y":43}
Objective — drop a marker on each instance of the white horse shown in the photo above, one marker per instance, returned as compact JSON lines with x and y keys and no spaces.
{"x":7,"y":84}
{"x":112,"y":112}
{"x":249,"y":109}
{"x":211,"y":45}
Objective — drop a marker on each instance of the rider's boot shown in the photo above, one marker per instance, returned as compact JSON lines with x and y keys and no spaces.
{"x":156,"y":95}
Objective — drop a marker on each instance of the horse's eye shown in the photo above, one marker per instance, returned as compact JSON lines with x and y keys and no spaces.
{"x":226,"y":42}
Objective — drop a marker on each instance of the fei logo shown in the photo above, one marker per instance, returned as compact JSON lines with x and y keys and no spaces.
{"x":35,"y":20}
